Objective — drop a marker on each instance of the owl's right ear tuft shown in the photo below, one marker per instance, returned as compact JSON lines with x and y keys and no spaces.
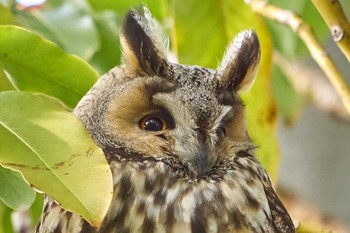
{"x":241,"y":61}
{"x":144,"y":49}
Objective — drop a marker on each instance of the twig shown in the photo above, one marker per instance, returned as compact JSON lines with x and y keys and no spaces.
{"x":305,"y":228}
{"x":314,"y":89}
{"x":304,"y":31}
{"x":334,"y":16}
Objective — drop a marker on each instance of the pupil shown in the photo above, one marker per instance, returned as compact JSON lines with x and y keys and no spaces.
{"x":154,"y":124}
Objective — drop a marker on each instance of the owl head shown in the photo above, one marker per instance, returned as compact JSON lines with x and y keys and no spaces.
{"x":152,"y":108}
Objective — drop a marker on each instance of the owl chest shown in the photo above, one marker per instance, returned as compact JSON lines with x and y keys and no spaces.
{"x":148,"y":199}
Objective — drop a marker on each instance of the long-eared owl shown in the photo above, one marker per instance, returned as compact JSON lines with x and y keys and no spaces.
{"x":175,"y":138}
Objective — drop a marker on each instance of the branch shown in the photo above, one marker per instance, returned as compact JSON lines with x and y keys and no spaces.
{"x":314,"y":89}
{"x":304,"y":31}
{"x":334,"y":16}
{"x":305,"y":228}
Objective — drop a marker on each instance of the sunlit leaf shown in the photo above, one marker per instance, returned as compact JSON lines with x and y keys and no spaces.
{"x":6,"y":19}
{"x":54,"y":152}
{"x":37,"y":65}
{"x":5,"y":84}
{"x":202,"y":40}
{"x":15,"y":192}
{"x":261,"y":109}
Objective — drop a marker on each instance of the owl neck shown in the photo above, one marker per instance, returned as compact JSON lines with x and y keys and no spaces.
{"x":155,"y":193}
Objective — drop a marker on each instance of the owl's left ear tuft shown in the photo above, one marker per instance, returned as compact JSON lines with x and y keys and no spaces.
{"x":240,"y":64}
{"x":144,"y":48}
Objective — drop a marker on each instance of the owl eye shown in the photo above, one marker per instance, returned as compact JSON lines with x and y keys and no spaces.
{"x":153,"y":123}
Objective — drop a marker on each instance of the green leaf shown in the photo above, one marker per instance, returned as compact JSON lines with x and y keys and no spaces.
{"x":227,"y":18}
{"x":68,"y":24}
{"x":288,"y":101}
{"x":5,"y":219}
{"x":36,"y":25}
{"x":5,"y":214}
{"x":108,"y":19}
{"x":15,"y":192}
{"x":55,"y":154}
{"x":261,"y":109}
{"x":109,"y":53}
{"x":192,"y":47}
{"x":36,"y":209}
{"x":6,"y":16}
{"x":37,"y":65}
{"x":5,"y":84}
{"x":157,"y":7}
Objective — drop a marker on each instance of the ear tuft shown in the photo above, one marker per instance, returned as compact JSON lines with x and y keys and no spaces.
{"x":240,"y":63}
{"x":144,"y":49}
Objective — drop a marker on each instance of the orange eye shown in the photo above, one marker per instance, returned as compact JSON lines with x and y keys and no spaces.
{"x":153,"y":123}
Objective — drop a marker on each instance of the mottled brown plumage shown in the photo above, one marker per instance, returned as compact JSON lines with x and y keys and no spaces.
{"x":175,"y":138}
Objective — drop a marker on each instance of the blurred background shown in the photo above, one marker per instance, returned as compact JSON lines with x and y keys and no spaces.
{"x":315,"y":156}
{"x":313,"y":129}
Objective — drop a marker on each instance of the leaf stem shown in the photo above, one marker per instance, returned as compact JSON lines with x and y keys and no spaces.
{"x":305,"y":33}
{"x":333,"y":14}
{"x":315,"y":89}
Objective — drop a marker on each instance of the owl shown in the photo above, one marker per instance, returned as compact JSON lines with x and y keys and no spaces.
{"x":175,"y":139}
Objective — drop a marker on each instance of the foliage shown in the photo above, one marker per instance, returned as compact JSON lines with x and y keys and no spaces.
{"x":23,"y":55}
{"x":20,"y":195}
{"x":39,"y":135}
{"x":70,"y":159}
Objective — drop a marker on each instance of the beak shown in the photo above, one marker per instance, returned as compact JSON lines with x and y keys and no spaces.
{"x":204,"y":156}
